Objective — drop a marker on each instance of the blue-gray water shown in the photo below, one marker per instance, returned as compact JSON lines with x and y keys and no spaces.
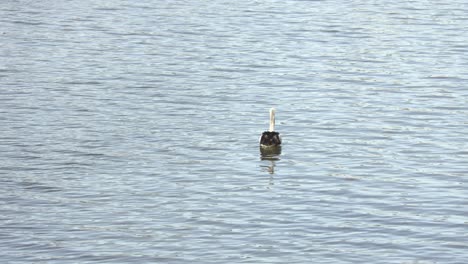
{"x":129,"y":131}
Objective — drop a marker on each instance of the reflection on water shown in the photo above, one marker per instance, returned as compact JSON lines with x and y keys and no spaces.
{"x":269,"y":168}
{"x":272,"y":154}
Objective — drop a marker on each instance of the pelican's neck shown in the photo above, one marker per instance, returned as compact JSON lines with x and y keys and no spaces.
{"x":272,"y":119}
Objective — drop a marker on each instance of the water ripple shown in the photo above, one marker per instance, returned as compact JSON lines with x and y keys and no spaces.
{"x":129,"y":132}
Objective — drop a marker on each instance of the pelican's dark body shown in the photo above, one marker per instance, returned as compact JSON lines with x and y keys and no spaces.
{"x":270,"y":138}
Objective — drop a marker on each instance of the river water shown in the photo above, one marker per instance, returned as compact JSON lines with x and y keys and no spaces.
{"x":129,"y":131}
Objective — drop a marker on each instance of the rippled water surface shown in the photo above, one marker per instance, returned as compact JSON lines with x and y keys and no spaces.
{"x":129,"y":131}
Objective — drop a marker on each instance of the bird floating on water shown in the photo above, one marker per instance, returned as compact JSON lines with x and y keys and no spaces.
{"x":270,"y":138}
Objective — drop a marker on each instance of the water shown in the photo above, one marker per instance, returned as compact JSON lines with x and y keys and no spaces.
{"x":129,"y":132}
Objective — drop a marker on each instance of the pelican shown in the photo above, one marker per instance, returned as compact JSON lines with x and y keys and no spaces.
{"x":270,"y":138}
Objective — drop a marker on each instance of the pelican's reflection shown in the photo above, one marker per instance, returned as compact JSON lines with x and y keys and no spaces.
{"x":272,"y":154}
